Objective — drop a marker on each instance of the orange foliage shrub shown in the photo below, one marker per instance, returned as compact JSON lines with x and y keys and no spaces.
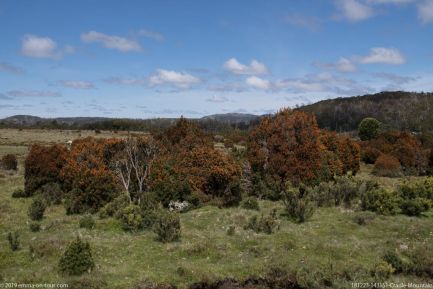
{"x":290,"y":147}
{"x":403,"y":146}
{"x":387,"y":166}
{"x":43,"y":165}
{"x":88,"y":181}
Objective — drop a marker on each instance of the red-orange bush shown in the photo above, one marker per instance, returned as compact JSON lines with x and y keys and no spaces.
{"x":290,"y":147}
{"x":9,"y":162}
{"x":387,"y":166}
{"x":87,"y":179}
{"x":403,"y":146}
{"x":43,"y":165}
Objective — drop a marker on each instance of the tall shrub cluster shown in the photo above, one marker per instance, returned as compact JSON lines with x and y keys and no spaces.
{"x":43,"y":165}
{"x":290,"y":147}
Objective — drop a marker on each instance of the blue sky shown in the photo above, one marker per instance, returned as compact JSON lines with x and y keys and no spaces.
{"x":144,"y":59}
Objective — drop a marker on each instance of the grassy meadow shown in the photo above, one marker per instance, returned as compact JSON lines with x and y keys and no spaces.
{"x":330,"y":242}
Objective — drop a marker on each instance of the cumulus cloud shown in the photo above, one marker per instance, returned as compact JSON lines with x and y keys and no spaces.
{"x":151,"y":34}
{"x":33,"y":93}
{"x":254,"y":68}
{"x":217,"y":99}
{"x":7,"y":67}
{"x":353,"y":10}
{"x":111,"y":41}
{"x":343,"y":65}
{"x":173,"y":78}
{"x":258,"y":82}
{"x":425,"y":11}
{"x":77,"y":84}
{"x":43,"y":47}
{"x":383,"y":55}
{"x":308,"y":22}
{"x":125,"y":81}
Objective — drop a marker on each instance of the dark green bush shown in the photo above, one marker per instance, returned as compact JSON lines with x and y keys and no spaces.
{"x":77,"y":258}
{"x":368,"y":128}
{"x":131,"y":218}
{"x":381,"y":201}
{"x":232,"y":195}
{"x":19,"y":193}
{"x":37,"y":209}
{"x":113,"y":208}
{"x":231,"y":230}
{"x":392,"y":258}
{"x":415,"y":207}
{"x":167,"y":227}
{"x":87,"y":222}
{"x":298,"y":203}
{"x":35,"y":226}
{"x":9,"y":162}
{"x":265,"y":224}
{"x":14,"y":240}
{"x":250,"y":203}
{"x":52,"y":193}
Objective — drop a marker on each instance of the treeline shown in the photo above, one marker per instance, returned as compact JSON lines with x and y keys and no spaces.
{"x":150,"y":125}
{"x":399,"y":110}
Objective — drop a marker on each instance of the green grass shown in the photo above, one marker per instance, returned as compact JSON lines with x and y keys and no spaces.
{"x":330,"y":239}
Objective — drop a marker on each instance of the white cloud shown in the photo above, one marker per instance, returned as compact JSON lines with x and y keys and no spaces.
{"x":217,"y":99}
{"x":425,"y":11}
{"x":258,"y":82}
{"x":111,"y":41}
{"x":33,"y":93}
{"x":353,"y":10}
{"x":40,"y":47}
{"x":125,"y":81}
{"x":383,"y":55}
{"x":77,"y":84}
{"x":171,"y":77}
{"x":255,"y":67}
{"x":343,"y":65}
{"x":151,"y":34}
{"x":311,"y":23}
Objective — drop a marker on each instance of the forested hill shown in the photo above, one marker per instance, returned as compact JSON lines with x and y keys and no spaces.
{"x":397,"y":110}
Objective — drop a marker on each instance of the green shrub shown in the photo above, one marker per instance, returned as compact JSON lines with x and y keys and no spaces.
{"x":265,"y":224}
{"x":35,"y":226}
{"x":51,"y":193}
{"x":14,"y":240}
{"x":395,"y":261}
{"x":87,"y":222}
{"x":131,"y":218}
{"x":113,"y":208}
{"x":417,"y":189}
{"x":368,"y":128}
{"x":36,"y":209}
{"x":231,"y":230}
{"x":250,"y":203}
{"x":381,"y":201}
{"x":298,"y":203}
{"x":19,"y":193}
{"x":364,"y":218}
{"x":9,"y":162}
{"x":232,"y":195}
{"x":167,"y":227}
{"x":345,"y":189}
{"x":77,"y":258}
{"x":382,"y":271}
{"x":415,"y":207}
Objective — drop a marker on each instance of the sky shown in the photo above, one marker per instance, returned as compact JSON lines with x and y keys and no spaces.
{"x":146,"y":59}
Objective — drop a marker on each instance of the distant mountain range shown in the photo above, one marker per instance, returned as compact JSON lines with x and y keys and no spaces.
{"x":398,"y":110}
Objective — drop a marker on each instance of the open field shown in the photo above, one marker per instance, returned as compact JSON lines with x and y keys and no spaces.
{"x":330,"y":242}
